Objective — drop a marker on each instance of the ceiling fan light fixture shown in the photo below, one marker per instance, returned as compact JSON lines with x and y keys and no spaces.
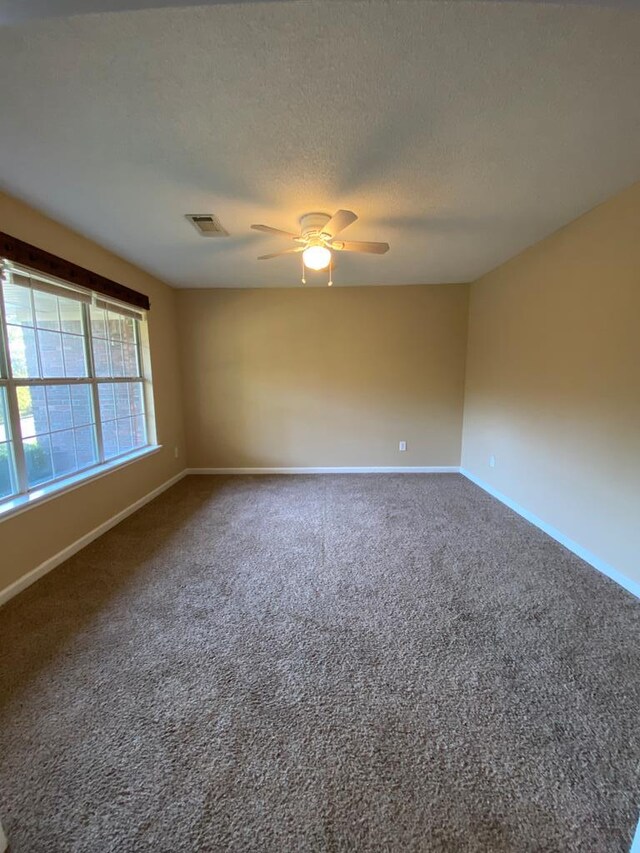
{"x":316,"y":257}
{"x":316,"y":241}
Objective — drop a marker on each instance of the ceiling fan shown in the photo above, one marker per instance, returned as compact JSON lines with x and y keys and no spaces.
{"x":317,"y":242}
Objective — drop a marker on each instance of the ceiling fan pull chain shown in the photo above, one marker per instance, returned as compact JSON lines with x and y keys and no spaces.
{"x":304,"y":281}
{"x":330,"y":282}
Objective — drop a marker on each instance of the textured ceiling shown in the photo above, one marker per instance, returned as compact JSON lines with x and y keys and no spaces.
{"x":460,"y":132}
{"x":23,"y":10}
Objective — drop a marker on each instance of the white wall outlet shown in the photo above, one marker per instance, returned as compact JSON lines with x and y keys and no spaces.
{"x":402,"y":446}
{"x":3,"y":840}
{"x":492,"y":462}
{"x":176,"y":451}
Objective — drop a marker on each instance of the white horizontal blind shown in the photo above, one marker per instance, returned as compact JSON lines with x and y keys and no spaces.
{"x":13,"y":276}
{"x":72,"y":390}
{"x":116,"y":308}
{"x":46,"y":284}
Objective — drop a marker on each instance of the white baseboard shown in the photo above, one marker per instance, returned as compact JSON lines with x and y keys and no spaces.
{"x":34,"y":575}
{"x":406,"y":469}
{"x":630,"y":585}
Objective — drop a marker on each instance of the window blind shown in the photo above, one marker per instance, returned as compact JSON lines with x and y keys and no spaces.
{"x":15,"y":274}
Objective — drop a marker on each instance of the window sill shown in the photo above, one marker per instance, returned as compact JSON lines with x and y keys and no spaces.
{"x":21,"y":503}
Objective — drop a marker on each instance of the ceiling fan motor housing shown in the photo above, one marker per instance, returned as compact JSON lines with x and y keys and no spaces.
{"x":311,"y":225}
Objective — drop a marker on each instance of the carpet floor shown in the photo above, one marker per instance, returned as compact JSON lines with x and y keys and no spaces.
{"x":329,"y":663}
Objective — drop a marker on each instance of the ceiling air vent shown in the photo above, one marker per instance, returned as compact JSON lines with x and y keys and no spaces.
{"x":207,"y":224}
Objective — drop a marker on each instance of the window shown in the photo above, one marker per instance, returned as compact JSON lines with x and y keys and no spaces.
{"x":73,"y":392}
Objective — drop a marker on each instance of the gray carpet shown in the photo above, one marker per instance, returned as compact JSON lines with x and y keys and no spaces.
{"x":388,"y":663}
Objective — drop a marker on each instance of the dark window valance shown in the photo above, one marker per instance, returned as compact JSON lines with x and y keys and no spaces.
{"x":30,"y":256}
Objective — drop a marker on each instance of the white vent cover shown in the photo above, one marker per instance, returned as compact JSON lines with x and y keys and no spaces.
{"x":207,"y":224}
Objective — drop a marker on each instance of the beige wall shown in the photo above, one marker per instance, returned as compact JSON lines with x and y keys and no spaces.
{"x":321,"y":377}
{"x":26,"y":540}
{"x":553,"y":381}
{"x":314,"y":377}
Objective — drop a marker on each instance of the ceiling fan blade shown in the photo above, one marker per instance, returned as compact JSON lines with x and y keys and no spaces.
{"x":339,"y":222}
{"x":277,"y":254}
{"x":269,"y":230}
{"x":356,"y":246}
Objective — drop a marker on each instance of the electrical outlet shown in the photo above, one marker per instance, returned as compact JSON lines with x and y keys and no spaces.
{"x":402,"y":446}
{"x":176,"y":451}
{"x":492,"y":462}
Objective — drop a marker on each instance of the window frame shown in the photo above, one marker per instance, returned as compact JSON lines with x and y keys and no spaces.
{"x":25,"y":495}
